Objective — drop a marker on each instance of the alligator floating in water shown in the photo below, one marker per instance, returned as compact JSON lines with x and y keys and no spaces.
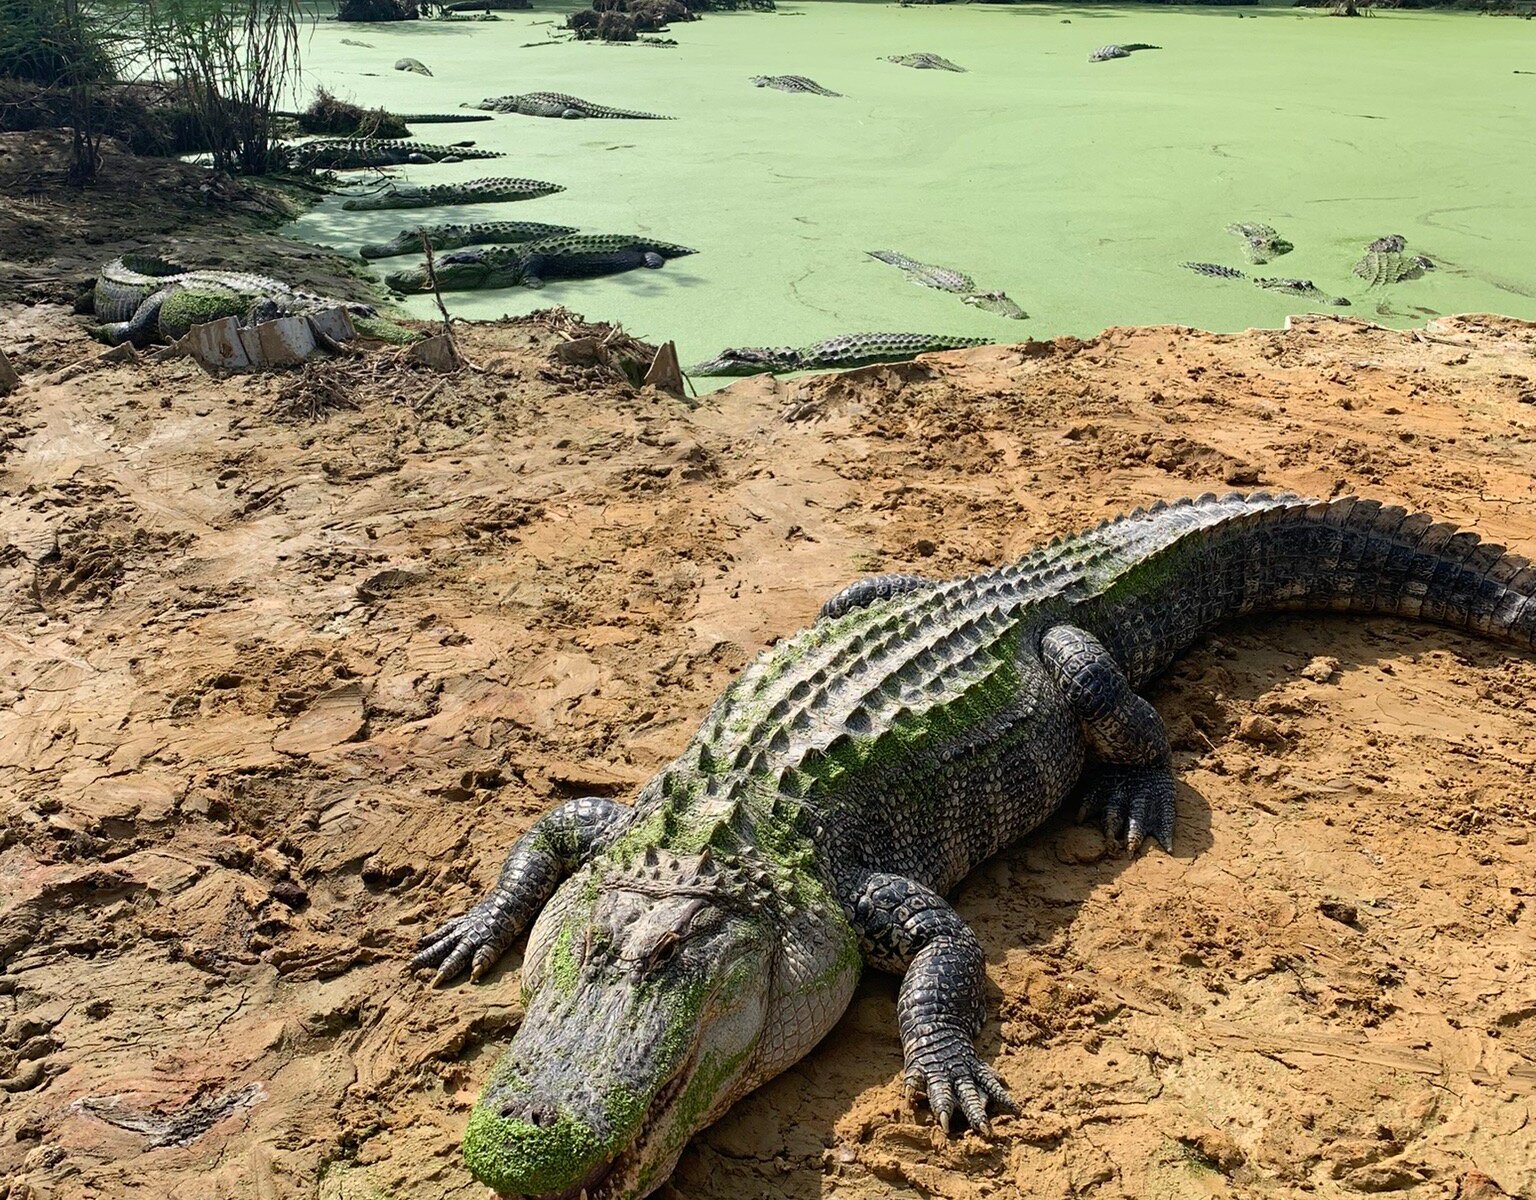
{"x":558,"y":104}
{"x":471,"y":233}
{"x":947,"y":279}
{"x":1393,"y":243}
{"x":471,"y":191}
{"x":1260,"y":242}
{"x":1215,"y":270}
{"x":1105,"y":53}
{"x":923,"y":61}
{"x":701,"y":940}
{"x":348,"y":154}
{"x":412,"y":64}
{"x":1385,"y":262}
{"x":834,"y":353}
{"x":567,"y":256}
{"x":793,"y":83}
{"x":1301,"y":287}
{"x":141,"y":299}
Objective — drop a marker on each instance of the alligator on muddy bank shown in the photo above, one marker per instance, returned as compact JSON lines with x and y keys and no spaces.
{"x":471,"y":233}
{"x":567,"y":256}
{"x":471,"y":191}
{"x":689,"y":946}
{"x":834,"y":353}
{"x":558,"y":104}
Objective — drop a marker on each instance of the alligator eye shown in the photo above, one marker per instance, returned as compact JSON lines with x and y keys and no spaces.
{"x":664,"y":950}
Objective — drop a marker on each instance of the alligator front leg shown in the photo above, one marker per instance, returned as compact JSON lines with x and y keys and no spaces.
{"x":1136,"y":789}
{"x":905,"y":927}
{"x":557,"y":844}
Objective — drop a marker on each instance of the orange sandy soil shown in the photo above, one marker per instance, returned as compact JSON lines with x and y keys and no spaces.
{"x":281,"y":679}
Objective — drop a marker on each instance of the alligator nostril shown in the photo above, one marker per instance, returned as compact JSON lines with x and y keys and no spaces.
{"x":538,"y":1115}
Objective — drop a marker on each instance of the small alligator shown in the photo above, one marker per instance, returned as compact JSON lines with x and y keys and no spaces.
{"x":835,"y":353}
{"x":558,"y":104}
{"x":1105,"y":53}
{"x":567,"y":256}
{"x":1301,"y":287}
{"x":348,"y":154}
{"x":793,"y":83}
{"x":698,"y":942}
{"x":473,"y":233}
{"x":947,"y":279}
{"x":139,"y":299}
{"x":1214,"y":270}
{"x":923,"y":61}
{"x":471,"y":191}
{"x":412,"y":64}
{"x":1260,"y":242}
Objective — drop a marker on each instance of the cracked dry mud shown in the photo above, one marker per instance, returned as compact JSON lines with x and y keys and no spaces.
{"x":277,"y":693}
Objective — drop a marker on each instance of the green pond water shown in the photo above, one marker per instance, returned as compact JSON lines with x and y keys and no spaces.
{"x":1078,"y":188}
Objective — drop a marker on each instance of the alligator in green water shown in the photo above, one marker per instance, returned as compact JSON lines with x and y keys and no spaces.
{"x":947,"y":279}
{"x":142,"y":299}
{"x":471,"y":233}
{"x":412,"y":64}
{"x":1386,"y":262}
{"x":688,"y":947}
{"x":348,"y":154}
{"x":558,"y":104}
{"x":793,"y":83}
{"x":471,"y":191}
{"x":1301,"y":287}
{"x":923,"y":61}
{"x":1215,"y":270}
{"x":567,"y":256}
{"x":1106,"y":53}
{"x":1260,"y":242}
{"x":834,"y":353}
{"x":458,"y":118}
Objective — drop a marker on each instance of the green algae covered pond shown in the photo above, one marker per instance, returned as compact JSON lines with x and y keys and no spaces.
{"x":1078,"y":188}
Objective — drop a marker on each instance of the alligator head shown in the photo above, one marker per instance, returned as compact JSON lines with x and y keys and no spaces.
{"x":749,"y":360}
{"x":658,"y":992}
{"x":460,"y":271}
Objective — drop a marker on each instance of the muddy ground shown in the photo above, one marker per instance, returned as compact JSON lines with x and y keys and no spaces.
{"x":286,"y":662}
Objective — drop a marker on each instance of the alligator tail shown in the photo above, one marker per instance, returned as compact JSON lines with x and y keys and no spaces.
{"x":1197,"y":563}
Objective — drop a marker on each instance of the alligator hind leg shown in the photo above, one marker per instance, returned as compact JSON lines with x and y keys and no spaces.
{"x":557,"y":844}
{"x":1136,"y":789}
{"x":905,"y":927}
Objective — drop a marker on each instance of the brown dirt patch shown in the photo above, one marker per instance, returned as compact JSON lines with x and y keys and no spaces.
{"x":276,"y":693}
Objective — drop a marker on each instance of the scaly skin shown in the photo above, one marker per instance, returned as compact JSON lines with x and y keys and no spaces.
{"x":849,"y":350}
{"x":412,"y":64}
{"x":947,"y":279}
{"x":568,"y":256}
{"x":1385,"y":262}
{"x":140,"y":299}
{"x":440,"y":118}
{"x":470,"y":233}
{"x":710,"y":935}
{"x":1105,"y":53}
{"x":923,"y":61}
{"x":793,"y":83}
{"x":1301,"y":287}
{"x":1215,"y":270}
{"x":346,"y":154}
{"x":558,"y":104}
{"x":1260,"y":242}
{"x":472,"y":191}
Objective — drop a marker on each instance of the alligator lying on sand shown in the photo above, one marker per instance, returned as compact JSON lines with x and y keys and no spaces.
{"x":141,"y":299}
{"x":568,"y":256}
{"x":1105,"y":53}
{"x":471,"y":191}
{"x":793,"y":83}
{"x":1301,"y":287}
{"x":923,"y":61}
{"x":474,"y":233}
{"x":1260,"y":242}
{"x":947,"y":279}
{"x":698,"y":942}
{"x":347,"y":154}
{"x":835,"y":353}
{"x":558,"y":104}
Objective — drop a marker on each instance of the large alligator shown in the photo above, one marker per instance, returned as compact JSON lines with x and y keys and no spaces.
{"x":923,"y":61}
{"x":947,"y":279}
{"x":793,"y":83}
{"x":558,"y":104}
{"x":346,"y":154}
{"x":141,"y":299}
{"x":470,"y":233}
{"x":471,"y":191}
{"x":697,"y":943}
{"x":1260,"y":242}
{"x":834,"y":353}
{"x":567,"y":256}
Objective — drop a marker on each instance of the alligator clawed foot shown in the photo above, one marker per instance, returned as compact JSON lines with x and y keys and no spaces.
{"x":1137,"y":803}
{"x":959,"y":1083}
{"x":468,"y":940}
